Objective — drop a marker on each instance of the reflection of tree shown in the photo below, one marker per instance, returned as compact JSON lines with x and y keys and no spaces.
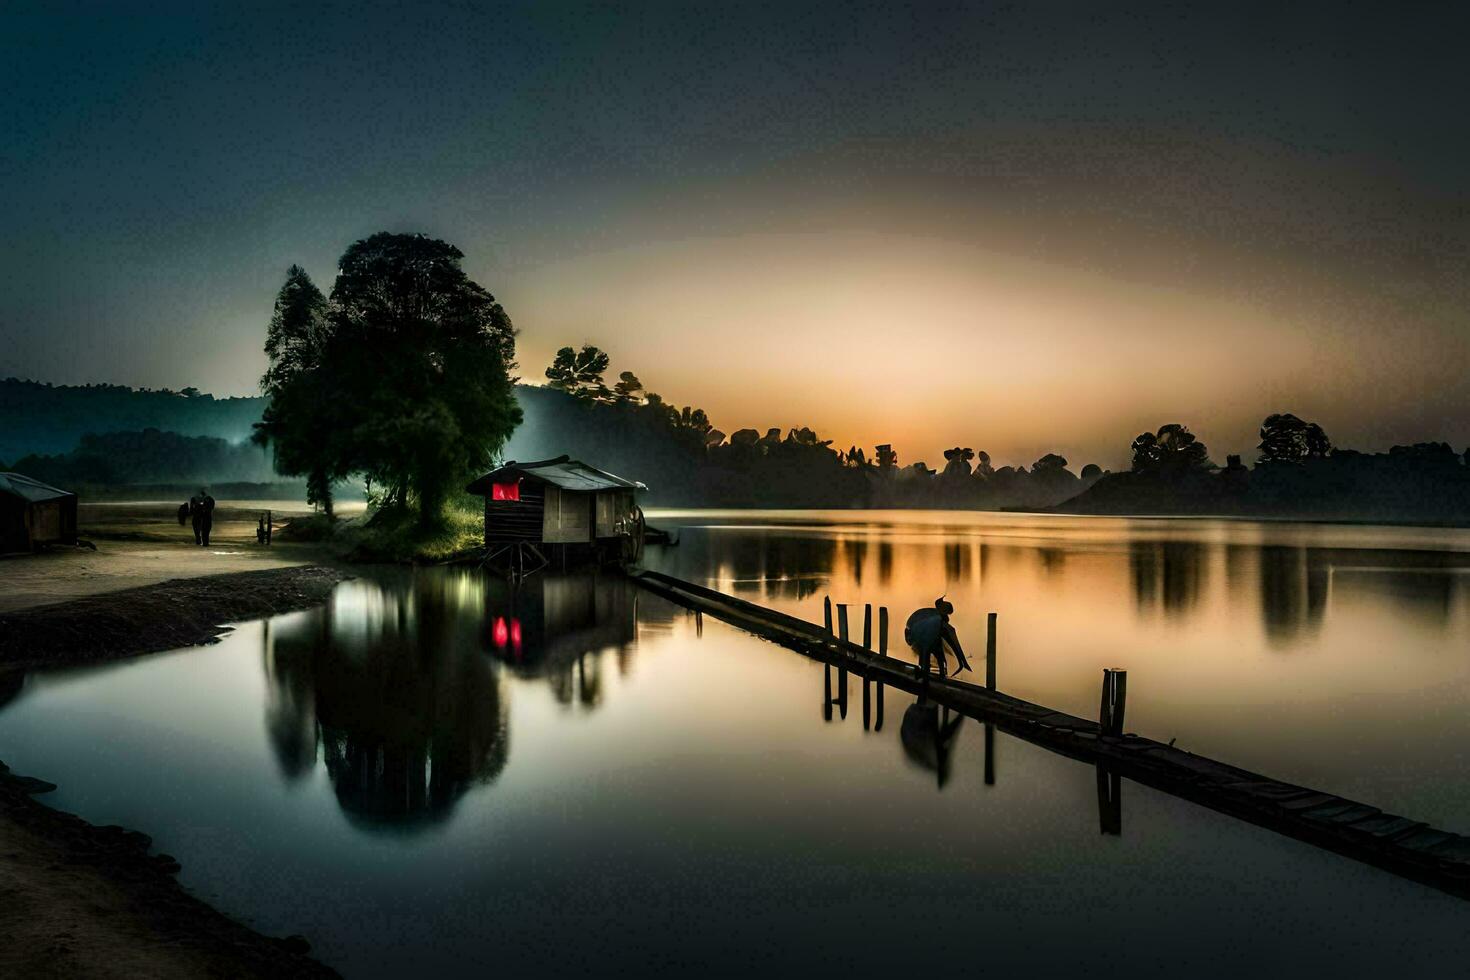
{"x":408,"y":710}
{"x":1293,"y":592}
{"x":1167,"y":573}
{"x":885,"y":561}
{"x":792,"y":565}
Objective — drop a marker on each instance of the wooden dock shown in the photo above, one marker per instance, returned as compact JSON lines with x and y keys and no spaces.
{"x":1401,"y":845}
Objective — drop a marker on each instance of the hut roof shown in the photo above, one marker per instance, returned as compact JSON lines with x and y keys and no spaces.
{"x":563,"y":471}
{"x":29,"y":489}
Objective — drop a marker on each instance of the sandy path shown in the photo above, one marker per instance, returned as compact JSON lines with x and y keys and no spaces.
{"x":142,"y":544}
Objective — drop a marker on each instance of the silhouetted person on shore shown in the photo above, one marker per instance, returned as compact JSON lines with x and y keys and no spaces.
{"x":201,"y":511}
{"x":928,"y":632}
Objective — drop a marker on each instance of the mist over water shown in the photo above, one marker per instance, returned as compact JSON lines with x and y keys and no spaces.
{"x":437,"y":773}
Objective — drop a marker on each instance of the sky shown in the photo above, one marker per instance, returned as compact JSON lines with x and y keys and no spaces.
{"x":1022,"y":228}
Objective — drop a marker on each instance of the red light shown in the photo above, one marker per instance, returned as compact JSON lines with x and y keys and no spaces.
{"x":515,"y":633}
{"x":500,"y":633}
{"x":505,"y":491}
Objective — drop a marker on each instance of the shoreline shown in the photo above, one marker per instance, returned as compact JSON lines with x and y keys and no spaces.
{"x":91,"y":900}
{"x":175,"y":613}
{"x":88,"y":900}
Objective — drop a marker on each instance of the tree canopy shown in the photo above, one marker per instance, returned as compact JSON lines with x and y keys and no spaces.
{"x":1287,"y":439}
{"x":1172,"y":451}
{"x":404,"y":376}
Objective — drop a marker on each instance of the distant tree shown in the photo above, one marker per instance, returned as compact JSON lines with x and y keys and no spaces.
{"x":885,"y":457}
{"x":579,"y":372}
{"x":1172,"y":451}
{"x":1050,"y":463}
{"x":1091,"y":471}
{"x":983,"y":469}
{"x":1287,"y":439}
{"x":426,"y":354}
{"x":957,"y":463}
{"x":628,"y":390}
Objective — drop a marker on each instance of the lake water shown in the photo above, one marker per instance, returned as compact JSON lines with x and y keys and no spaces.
{"x":435,"y":775}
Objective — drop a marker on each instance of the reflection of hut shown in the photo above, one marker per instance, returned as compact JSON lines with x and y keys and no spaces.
{"x":33,"y":513}
{"x":547,"y":624}
{"x":567,"y":505}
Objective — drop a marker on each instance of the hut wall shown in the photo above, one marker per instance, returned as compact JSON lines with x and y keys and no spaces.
{"x":14,"y":525}
{"x":509,"y":521}
{"x":568,"y":517}
{"x":612,"y":507}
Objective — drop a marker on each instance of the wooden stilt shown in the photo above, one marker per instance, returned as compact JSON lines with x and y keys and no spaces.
{"x":990,"y":652}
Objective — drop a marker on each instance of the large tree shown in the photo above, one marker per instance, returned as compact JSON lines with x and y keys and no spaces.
{"x":426,"y":354}
{"x":302,"y":422}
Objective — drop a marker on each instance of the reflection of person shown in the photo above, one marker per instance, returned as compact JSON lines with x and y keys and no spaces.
{"x":928,"y":738}
{"x":201,"y":511}
{"x":928,"y":632}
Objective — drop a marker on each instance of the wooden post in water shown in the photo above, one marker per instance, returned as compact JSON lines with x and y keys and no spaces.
{"x":1109,"y":802}
{"x":989,"y":754}
{"x":883,"y":631}
{"x":842,"y":671}
{"x":827,"y":610}
{"x":1114,"y":700}
{"x":990,"y":652}
{"x":867,"y":682}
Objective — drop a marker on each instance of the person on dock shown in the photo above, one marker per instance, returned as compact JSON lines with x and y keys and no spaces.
{"x":928,"y":631}
{"x":201,"y":512}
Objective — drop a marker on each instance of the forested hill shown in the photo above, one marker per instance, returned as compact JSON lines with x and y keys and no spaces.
{"x":48,"y":419}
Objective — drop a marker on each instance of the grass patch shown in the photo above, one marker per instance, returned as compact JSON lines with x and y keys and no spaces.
{"x":397,"y":535}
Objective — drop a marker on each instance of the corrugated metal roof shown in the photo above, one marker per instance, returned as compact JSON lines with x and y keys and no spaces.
{"x":27,"y":488}
{"x":564,"y":472}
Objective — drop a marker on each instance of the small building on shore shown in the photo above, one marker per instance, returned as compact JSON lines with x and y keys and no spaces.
{"x":33,"y":514}
{"x":559,"y":507}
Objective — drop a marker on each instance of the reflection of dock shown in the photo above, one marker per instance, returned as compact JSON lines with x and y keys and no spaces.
{"x":1405,"y":847}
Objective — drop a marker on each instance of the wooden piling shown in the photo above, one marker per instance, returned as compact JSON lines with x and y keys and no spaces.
{"x":1114,"y":701}
{"x":989,"y":754}
{"x":1109,"y":802}
{"x":827,"y":611}
{"x":842,"y":621}
{"x":867,"y":626}
{"x":883,"y":631}
{"x":990,"y":652}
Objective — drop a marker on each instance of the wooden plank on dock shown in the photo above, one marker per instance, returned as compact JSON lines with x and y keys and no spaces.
{"x":1400,"y":845}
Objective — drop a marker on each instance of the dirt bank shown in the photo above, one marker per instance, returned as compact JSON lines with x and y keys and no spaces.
{"x":77,"y":900}
{"x":172,"y":614}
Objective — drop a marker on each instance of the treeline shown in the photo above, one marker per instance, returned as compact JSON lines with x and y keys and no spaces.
{"x":39,"y":418}
{"x":1298,"y":474}
{"x":687,"y":461}
{"x":150,"y":456}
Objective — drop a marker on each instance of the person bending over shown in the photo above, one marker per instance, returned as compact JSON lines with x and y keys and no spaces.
{"x":928,"y":632}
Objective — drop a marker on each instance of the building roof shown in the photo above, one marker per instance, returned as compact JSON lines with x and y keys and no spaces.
{"x":564,"y":472}
{"x":30,"y":489}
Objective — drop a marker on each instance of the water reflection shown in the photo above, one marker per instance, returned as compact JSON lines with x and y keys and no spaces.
{"x":928,"y":734}
{"x":1186,"y":575}
{"x":1167,"y":575}
{"x":399,"y":691}
{"x":1294,"y":587}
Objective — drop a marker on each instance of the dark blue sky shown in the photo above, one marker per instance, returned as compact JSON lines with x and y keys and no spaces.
{"x":626,"y":176}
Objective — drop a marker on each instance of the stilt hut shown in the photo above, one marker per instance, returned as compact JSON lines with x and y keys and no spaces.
{"x":559,"y":509}
{"x":33,"y":514}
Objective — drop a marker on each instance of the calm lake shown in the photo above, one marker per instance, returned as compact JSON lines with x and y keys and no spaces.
{"x":435,"y":775}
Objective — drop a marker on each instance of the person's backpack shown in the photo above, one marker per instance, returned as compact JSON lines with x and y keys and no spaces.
{"x":183,"y":514}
